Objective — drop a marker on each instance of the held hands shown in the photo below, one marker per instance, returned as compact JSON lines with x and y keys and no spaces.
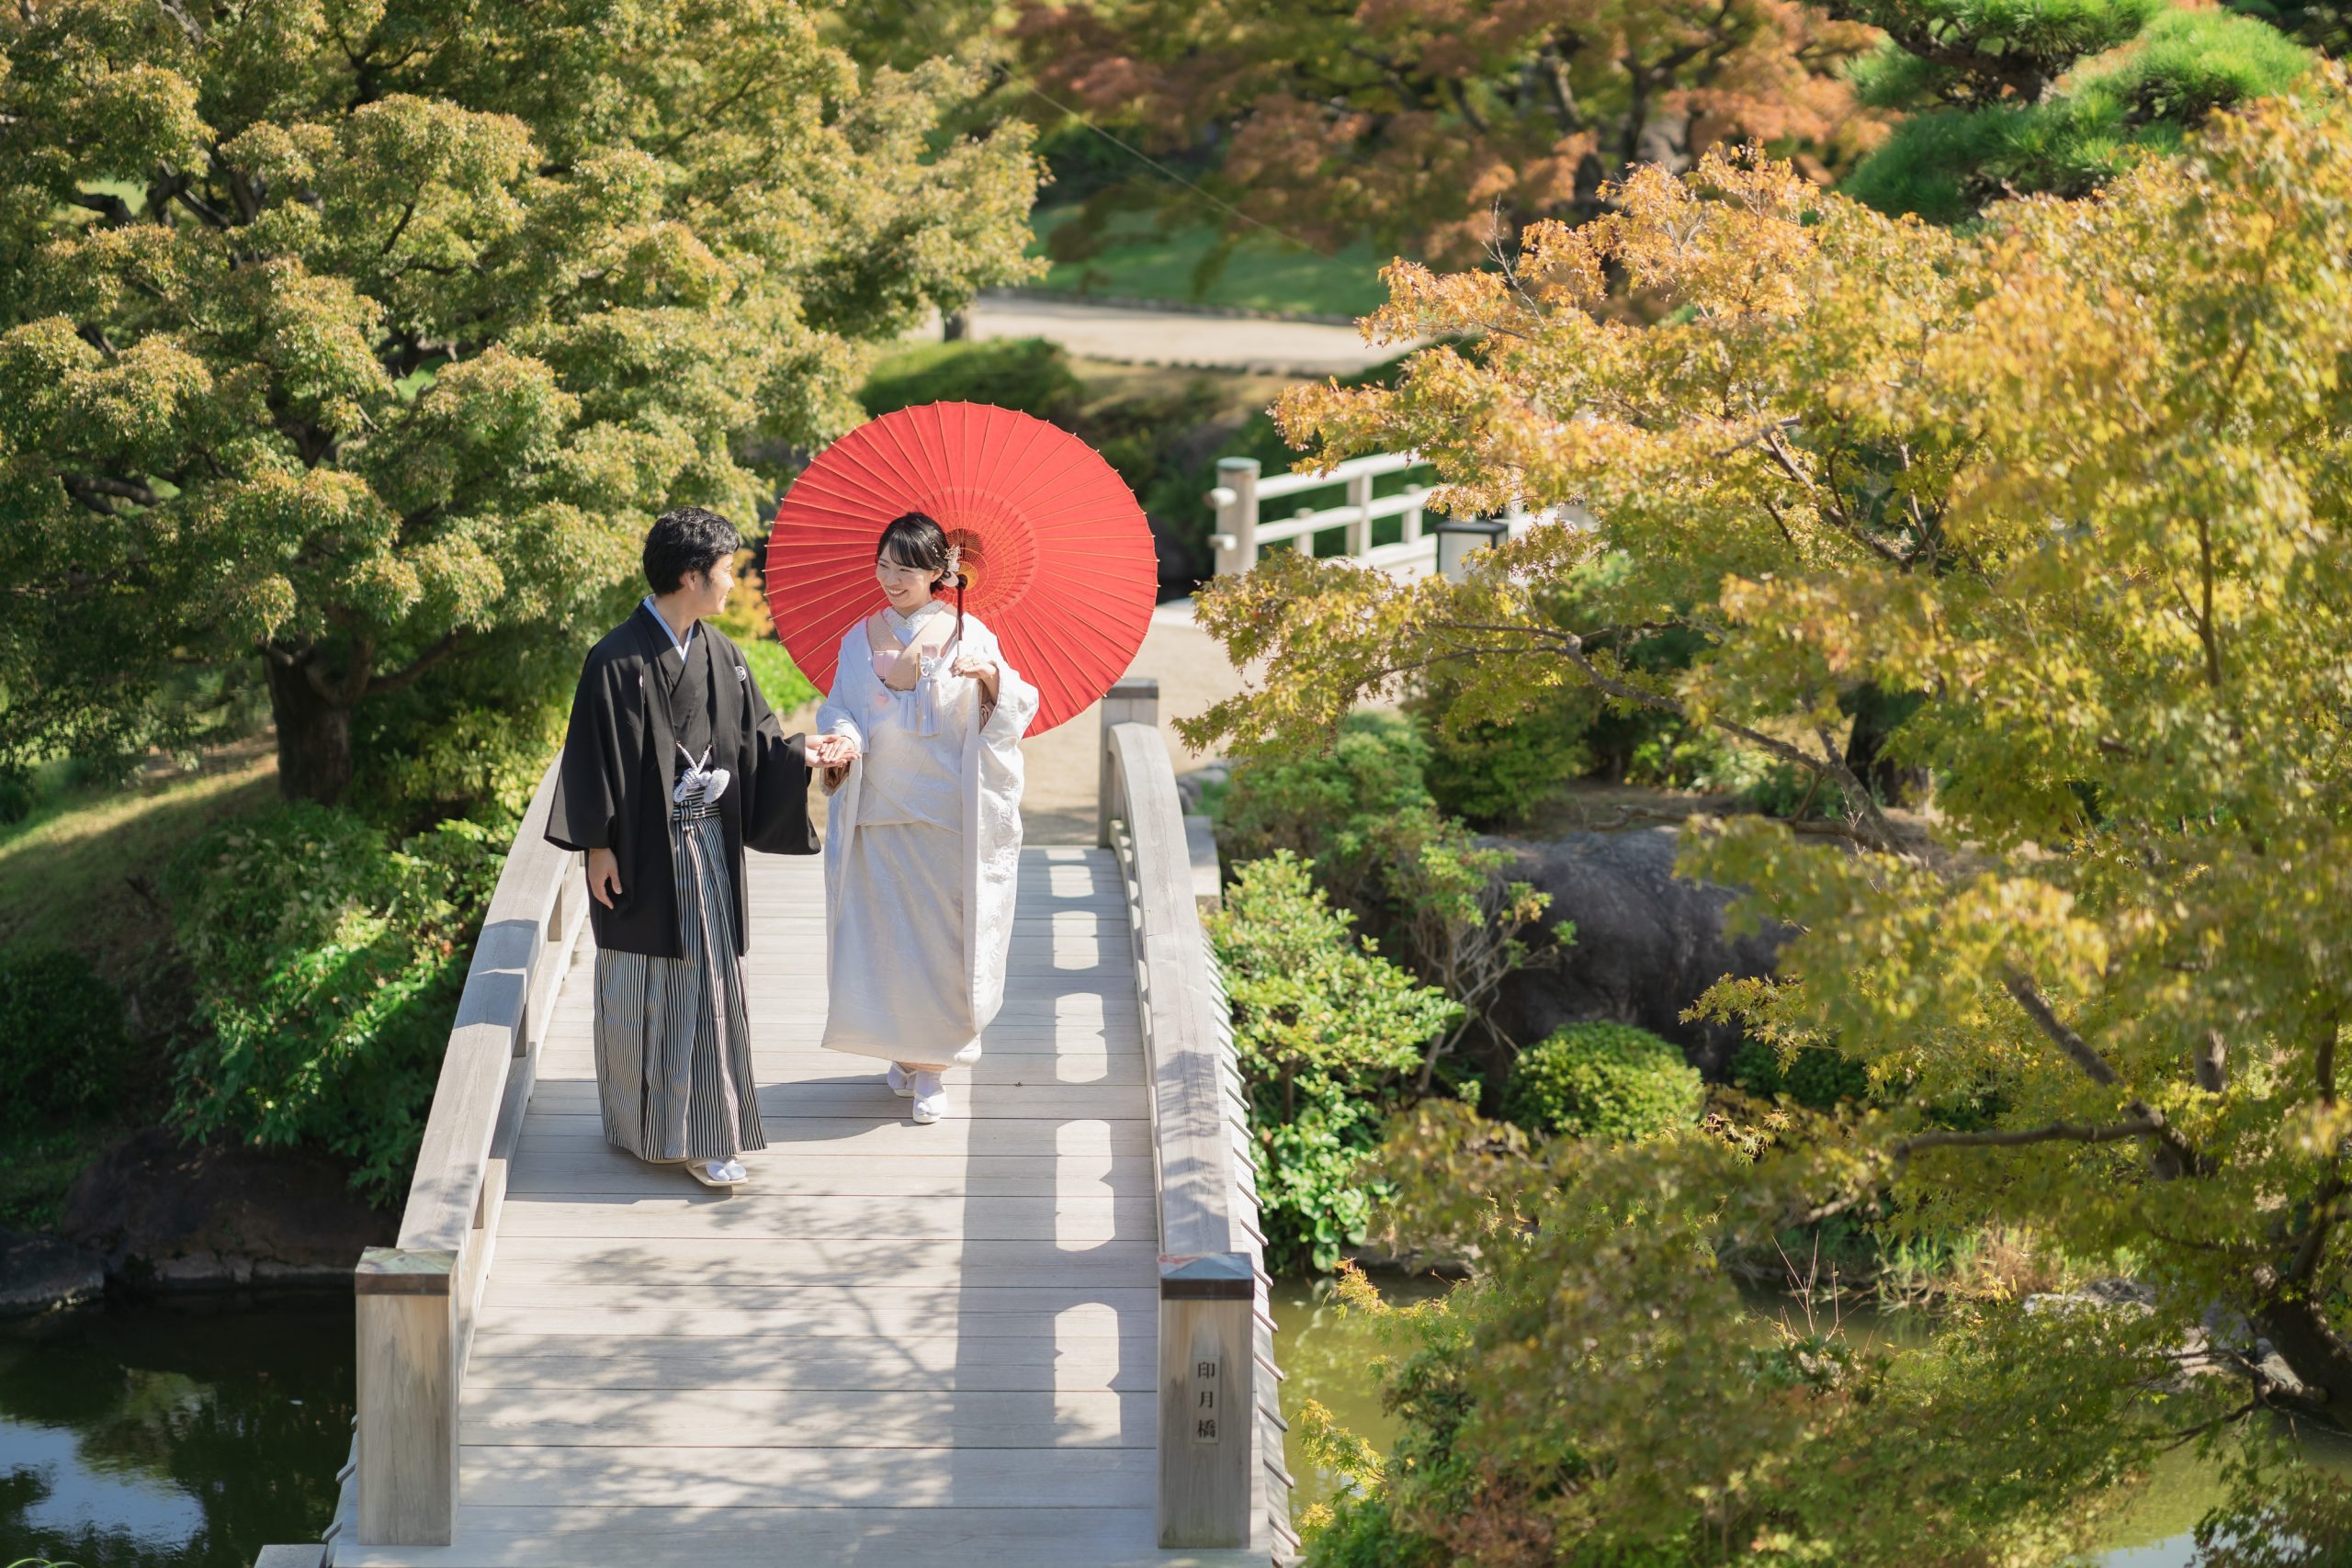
{"x":830,"y":755}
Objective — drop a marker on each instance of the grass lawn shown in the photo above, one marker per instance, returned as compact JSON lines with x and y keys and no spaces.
{"x":1140,"y":261}
{"x":72,"y":873}
{"x":79,"y":872}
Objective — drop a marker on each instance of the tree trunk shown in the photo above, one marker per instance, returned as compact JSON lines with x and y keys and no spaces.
{"x":2299,"y":1330}
{"x":954,"y":326}
{"x":313,"y":737}
{"x":1877,"y":713}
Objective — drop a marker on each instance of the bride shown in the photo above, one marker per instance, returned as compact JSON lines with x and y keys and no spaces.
{"x":920,"y":743}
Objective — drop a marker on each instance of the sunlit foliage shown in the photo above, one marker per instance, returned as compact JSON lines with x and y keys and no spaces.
{"x":2082,"y":478}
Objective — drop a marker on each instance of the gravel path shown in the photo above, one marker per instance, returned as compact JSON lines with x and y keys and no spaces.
{"x":1141,"y":335}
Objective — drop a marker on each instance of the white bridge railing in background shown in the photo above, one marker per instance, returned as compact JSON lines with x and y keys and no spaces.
{"x":1244,"y":530}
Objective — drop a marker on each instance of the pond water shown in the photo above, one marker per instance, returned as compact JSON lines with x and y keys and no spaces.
{"x":1326,"y":1354}
{"x":187,"y":1436}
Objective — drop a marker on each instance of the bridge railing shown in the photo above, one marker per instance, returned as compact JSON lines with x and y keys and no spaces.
{"x":1244,"y":528}
{"x":1220,"y":1422}
{"x":416,"y":1300}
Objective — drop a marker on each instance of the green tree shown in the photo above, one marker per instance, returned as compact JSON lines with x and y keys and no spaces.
{"x":2016,"y":97}
{"x":351,"y":338}
{"x":2079,"y":477}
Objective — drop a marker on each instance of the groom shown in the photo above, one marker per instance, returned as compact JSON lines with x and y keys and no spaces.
{"x":672,"y":766}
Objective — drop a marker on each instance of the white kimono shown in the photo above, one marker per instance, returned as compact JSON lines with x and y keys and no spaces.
{"x":923,"y":849}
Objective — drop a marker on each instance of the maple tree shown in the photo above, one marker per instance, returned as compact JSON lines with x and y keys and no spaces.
{"x":2078,"y":477}
{"x":359,"y":340}
{"x":1407,"y":122}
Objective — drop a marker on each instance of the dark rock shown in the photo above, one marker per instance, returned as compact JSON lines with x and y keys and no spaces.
{"x":38,"y":1272}
{"x":167,"y":1214}
{"x":1648,"y":942}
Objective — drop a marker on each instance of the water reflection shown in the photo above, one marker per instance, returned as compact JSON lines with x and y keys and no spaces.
{"x":173,"y":1437}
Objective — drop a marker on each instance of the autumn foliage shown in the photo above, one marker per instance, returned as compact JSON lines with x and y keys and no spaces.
{"x":2078,"y":477}
{"x":1409,"y":121}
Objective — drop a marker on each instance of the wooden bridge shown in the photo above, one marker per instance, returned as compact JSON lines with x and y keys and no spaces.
{"x":1035,"y":1334}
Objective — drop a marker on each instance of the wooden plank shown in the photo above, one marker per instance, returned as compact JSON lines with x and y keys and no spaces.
{"x":1092,"y":1064}
{"x":748,"y":1215}
{"x":717,"y":1262}
{"x":859,"y":1134}
{"x":1036,"y":1362}
{"x":868,"y":1095}
{"x":689,"y":1537}
{"x":798,"y":1478}
{"x":601,"y":1169}
{"x":816,"y":1418}
{"x":846,"y":1308}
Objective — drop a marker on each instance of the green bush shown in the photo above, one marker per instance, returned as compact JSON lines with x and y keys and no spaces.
{"x":1334,"y":809}
{"x":1327,"y":1032}
{"x":326,"y":965}
{"x":1027,"y":374}
{"x":61,"y":1036}
{"x":1816,"y":1077}
{"x":1602,"y":1081}
{"x":1496,"y":771}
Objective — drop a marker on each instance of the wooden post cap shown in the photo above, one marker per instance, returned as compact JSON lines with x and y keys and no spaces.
{"x":396,"y":1271}
{"x":1215,"y":1276}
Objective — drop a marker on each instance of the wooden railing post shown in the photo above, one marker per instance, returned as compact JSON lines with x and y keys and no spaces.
{"x":1209,"y":1404}
{"x":408,"y":1396}
{"x":1360,"y":527}
{"x":1132,"y":701}
{"x":1235,"y":498}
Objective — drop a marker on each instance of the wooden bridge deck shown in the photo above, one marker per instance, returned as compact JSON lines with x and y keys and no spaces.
{"x":896,"y":1346}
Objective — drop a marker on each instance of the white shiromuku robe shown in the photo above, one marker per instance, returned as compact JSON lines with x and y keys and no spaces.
{"x":923,"y":849}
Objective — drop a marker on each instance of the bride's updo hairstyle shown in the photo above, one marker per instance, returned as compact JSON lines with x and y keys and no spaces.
{"x":915,"y":538}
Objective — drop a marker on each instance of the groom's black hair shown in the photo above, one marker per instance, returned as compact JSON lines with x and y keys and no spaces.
{"x":683,"y":541}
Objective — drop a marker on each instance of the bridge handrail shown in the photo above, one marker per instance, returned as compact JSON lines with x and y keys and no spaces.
{"x":416,"y":1300}
{"x":1219,"y":1454}
{"x":1242,"y":530}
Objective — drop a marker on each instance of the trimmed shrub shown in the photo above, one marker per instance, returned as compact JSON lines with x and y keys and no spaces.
{"x":327,"y":966}
{"x":61,"y":1036}
{"x":1602,"y":1081}
{"x":1816,"y":1077}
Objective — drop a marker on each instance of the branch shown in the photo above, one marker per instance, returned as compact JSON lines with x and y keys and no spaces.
{"x":200,"y":206}
{"x":1462,"y":101}
{"x":117,"y":210}
{"x":87,"y":490}
{"x":2036,"y":1007}
{"x":2054,"y":1132}
{"x":424,"y":662}
{"x":2095,"y":1067}
{"x":398,"y":230}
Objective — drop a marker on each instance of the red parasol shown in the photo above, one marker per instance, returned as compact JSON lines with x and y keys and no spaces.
{"x":1057,"y":551}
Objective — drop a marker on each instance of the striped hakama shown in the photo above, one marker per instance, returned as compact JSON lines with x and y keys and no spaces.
{"x":674,"y":1035}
